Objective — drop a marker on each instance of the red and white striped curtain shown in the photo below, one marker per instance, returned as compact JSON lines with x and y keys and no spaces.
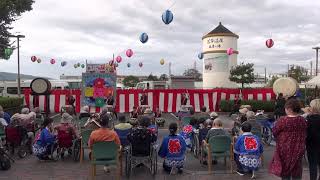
{"x":168,"y":100}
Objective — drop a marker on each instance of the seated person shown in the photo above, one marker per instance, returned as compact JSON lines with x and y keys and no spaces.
{"x":153,"y":127}
{"x":204,"y":131}
{"x":157,"y":113}
{"x":103,"y":134}
{"x":141,"y":138}
{"x":44,"y":143}
{"x":247,"y":151}
{"x":242,"y":117}
{"x":216,"y":130}
{"x":123,"y":129}
{"x":6,"y":116}
{"x":172,"y":149}
{"x":84,"y":112}
{"x":251,"y":119}
{"x":25,"y":111}
{"x":25,"y":120}
{"x":135,"y":112}
{"x":187,"y":132}
{"x":213,"y":116}
{"x":203,"y":113}
{"x":3,"y":122}
{"x":66,"y":127}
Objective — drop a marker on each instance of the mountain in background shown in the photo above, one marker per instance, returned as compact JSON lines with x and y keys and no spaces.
{"x":5,"y":76}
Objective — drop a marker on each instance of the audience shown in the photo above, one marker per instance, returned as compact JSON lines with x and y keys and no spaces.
{"x":85,"y":112}
{"x":6,"y":116}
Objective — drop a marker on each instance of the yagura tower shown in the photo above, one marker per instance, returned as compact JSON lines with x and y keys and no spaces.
{"x":216,"y":62}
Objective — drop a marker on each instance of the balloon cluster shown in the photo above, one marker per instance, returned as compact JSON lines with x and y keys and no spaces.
{"x":78,"y":65}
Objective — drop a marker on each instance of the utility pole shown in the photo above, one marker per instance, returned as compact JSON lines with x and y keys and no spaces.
{"x":317,"y":53}
{"x":265,"y":75}
{"x":288,"y":70}
{"x":18,"y":40}
{"x":311,"y":68}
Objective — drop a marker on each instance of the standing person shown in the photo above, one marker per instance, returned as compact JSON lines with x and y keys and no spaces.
{"x":313,"y":139}
{"x":290,"y":135}
{"x":279,"y":106}
{"x":172,"y":149}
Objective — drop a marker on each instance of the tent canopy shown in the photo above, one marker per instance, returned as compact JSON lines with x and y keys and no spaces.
{"x":314,"y":82}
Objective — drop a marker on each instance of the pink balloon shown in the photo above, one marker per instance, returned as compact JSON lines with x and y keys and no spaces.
{"x":140,"y":64}
{"x":269,"y":43}
{"x":33,"y":58}
{"x":118,"y":59}
{"x":129,"y":52}
{"x":52,"y":61}
{"x":230,"y":51}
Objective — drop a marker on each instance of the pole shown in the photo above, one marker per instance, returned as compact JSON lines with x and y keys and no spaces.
{"x":317,"y":54}
{"x":265,"y":75}
{"x":311,"y":68}
{"x":19,"y":85}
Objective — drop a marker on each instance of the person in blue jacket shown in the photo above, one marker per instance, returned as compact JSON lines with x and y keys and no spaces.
{"x":247,"y":151}
{"x":6,"y":116}
{"x":173,"y":150}
{"x":45,"y":141}
{"x":188,"y":131}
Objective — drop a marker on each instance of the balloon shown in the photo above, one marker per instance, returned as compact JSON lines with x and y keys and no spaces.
{"x":83,"y":66}
{"x":269,"y":43}
{"x":167,"y":17}
{"x":33,"y":58}
{"x":128,"y":65}
{"x":52,"y":61}
{"x":78,"y":64}
{"x":75,"y":65}
{"x":200,"y":55}
{"x":230,"y":51}
{"x":129,"y":52}
{"x":118,"y":59}
{"x":63,"y":63}
{"x":39,"y":60}
{"x":140,"y":64}
{"x":162,"y":61}
{"x":144,"y":37}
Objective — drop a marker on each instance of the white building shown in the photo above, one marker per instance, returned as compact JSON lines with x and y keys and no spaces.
{"x":216,"y":62}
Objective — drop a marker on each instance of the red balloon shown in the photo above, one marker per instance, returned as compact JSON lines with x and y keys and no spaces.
{"x":129,"y":52}
{"x":118,"y":59}
{"x":33,"y":58}
{"x":269,"y":43}
{"x":140,"y":64}
{"x":52,"y":61}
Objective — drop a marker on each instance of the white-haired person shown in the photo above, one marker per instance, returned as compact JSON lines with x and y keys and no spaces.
{"x":85,"y":112}
{"x":251,"y":119}
{"x":313,"y":139}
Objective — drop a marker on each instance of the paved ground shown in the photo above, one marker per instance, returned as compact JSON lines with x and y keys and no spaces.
{"x":30,"y":168}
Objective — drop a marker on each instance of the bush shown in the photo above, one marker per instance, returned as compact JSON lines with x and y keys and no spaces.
{"x":11,"y":102}
{"x":267,"y":106}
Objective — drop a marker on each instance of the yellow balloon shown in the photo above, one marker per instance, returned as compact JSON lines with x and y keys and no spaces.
{"x":162,"y":61}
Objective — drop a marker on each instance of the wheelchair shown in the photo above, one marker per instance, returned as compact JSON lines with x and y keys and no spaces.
{"x":195,"y":148}
{"x":160,"y":122}
{"x":66,"y":142}
{"x":150,"y":161}
{"x":17,"y":137}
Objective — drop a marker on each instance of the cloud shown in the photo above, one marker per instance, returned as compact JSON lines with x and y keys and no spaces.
{"x":76,"y":30}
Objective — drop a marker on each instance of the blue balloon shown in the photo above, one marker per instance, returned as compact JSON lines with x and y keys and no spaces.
{"x":200,"y":55}
{"x":128,"y":65}
{"x":167,"y":17}
{"x":144,"y":37}
{"x":63,"y":63}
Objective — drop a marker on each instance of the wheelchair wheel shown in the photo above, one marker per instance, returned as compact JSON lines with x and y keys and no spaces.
{"x":267,"y":135}
{"x":128,"y":164}
{"x":76,"y":150}
{"x":195,"y":146}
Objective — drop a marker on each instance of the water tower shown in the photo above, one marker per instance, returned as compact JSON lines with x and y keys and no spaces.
{"x":216,"y":62}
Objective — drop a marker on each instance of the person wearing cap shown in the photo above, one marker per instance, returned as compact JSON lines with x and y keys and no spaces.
{"x":44,"y":143}
{"x":172,"y":150}
{"x":84,"y":112}
{"x":251,"y":119}
{"x":247,"y":151}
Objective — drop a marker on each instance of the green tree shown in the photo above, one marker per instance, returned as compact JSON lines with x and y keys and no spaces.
{"x":299,"y":73}
{"x":193,"y":73}
{"x":152,"y":78}
{"x":163,"y":77}
{"x":242,"y":73}
{"x":271,"y":81}
{"x":10,"y":10}
{"x":130,"y":81}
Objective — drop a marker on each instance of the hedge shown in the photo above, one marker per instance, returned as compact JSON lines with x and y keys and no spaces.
{"x":268,"y":106}
{"x":11,"y":102}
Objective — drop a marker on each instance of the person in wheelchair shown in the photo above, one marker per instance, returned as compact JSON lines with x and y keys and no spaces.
{"x":172,"y":149}
{"x":187,"y":132}
{"x":84,"y":112}
{"x":141,"y":138}
{"x":247,"y":151}
{"x":66,"y":134}
{"x":45,"y":141}
{"x":204,"y":131}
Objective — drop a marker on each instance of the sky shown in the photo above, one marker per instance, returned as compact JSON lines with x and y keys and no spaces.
{"x":80,"y":30}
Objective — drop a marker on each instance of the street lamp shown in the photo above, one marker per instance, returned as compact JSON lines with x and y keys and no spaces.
{"x":317,"y":53}
{"x":18,"y":40}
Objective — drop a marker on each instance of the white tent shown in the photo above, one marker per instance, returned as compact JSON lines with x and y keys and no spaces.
{"x":314,"y":82}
